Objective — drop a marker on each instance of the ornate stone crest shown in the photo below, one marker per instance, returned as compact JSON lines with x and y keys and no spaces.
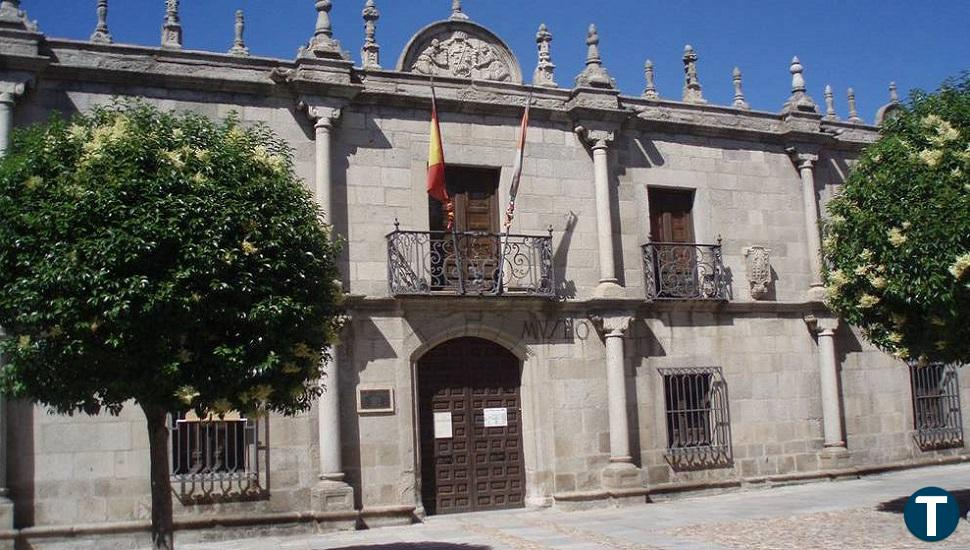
{"x":460,"y":49}
{"x":758,"y":265}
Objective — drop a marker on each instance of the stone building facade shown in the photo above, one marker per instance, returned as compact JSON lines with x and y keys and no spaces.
{"x":655,"y":325}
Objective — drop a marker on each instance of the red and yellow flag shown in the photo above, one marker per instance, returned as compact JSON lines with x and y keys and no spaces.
{"x":436,"y":166}
{"x":517,"y":169}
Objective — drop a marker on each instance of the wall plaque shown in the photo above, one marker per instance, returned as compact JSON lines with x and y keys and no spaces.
{"x":442,"y":425}
{"x":378,"y":400}
{"x":496,"y":417}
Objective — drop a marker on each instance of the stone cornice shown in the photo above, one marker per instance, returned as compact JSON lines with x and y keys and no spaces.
{"x":193,"y":70}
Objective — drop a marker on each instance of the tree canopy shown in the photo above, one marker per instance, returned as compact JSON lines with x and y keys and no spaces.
{"x":897,"y":241}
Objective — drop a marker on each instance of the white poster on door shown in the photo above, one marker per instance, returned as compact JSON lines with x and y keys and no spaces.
{"x":442,"y":425}
{"x":496,"y":418}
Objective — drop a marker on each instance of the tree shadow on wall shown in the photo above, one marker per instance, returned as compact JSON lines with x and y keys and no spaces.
{"x":416,"y":546}
{"x":896,"y":505}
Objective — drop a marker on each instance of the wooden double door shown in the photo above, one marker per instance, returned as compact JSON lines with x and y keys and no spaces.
{"x":471,"y":428}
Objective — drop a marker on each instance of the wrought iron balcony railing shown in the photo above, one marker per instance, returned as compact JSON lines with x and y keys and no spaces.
{"x":469,"y":263}
{"x":684,"y":271}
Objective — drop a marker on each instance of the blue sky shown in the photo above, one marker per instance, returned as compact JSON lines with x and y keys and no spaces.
{"x":859,"y":43}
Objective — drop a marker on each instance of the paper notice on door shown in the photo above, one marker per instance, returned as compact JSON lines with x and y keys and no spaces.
{"x":496,"y":418}
{"x":442,"y":425}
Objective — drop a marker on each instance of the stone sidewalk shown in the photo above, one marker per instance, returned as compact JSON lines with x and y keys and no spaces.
{"x":853,"y":514}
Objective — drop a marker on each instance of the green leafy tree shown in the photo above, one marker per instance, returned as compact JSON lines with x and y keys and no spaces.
{"x":166,"y":259}
{"x":898,"y":237}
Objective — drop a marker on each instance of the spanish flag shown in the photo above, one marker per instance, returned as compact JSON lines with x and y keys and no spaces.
{"x":517,"y":169}
{"x":436,"y":165}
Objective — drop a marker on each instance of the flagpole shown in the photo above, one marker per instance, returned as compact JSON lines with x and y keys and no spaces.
{"x":510,"y":211}
{"x":452,"y":218}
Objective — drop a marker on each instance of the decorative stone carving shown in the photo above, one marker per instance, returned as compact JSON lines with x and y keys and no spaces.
{"x":853,"y":112}
{"x":239,"y":44}
{"x":650,"y":91}
{"x":739,"y":102}
{"x":172,"y":28}
{"x":101,"y":34}
{"x":594,"y":75}
{"x":460,"y":49}
{"x":799,"y":100}
{"x":757,"y":261}
{"x":692,"y":84}
{"x":830,"y":113}
{"x":888,"y":109}
{"x":544,"y":75}
{"x":12,"y":16}
{"x":370,"y":54}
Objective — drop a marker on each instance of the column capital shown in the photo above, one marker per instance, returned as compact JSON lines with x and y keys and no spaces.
{"x":611,"y":325}
{"x":323,"y":116}
{"x":823,"y":326}
{"x":803,"y":157}
{"x":597,"y":139}
{"x":12,"y":90}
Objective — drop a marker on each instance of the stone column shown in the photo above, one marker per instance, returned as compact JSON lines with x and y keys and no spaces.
{"x":9,"y":92}
{"x":834,"y":454}
{"x":621,"y":473}
{"x":599,"y":141}
{"x":806,"y":169}
{"x":331,"y":492}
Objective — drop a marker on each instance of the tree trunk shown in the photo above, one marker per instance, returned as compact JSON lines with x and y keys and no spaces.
{"x":163,"y":536}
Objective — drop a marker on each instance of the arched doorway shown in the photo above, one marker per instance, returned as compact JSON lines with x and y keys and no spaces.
{"x":470,"y":417}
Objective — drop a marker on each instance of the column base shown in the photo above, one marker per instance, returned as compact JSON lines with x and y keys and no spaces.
{"x":834,"y":458}
{"x":815,"y":293}
{"x":609,"y":288}
{"x":622,"y":475}
{"x":331,"y":495}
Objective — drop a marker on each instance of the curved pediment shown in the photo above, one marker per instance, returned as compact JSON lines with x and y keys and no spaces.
{"x":460,"y":49}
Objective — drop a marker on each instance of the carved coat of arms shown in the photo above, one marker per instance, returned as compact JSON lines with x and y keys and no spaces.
{"x":463,"y":57}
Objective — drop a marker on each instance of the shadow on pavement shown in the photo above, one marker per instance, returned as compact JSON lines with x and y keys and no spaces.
{"x":416,"y":546}
{"x":896,"y":505}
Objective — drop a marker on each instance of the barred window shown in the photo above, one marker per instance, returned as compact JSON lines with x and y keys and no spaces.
{"x":936,"y":406}
{"x":219,"y":459}
{"x":698,"y":423}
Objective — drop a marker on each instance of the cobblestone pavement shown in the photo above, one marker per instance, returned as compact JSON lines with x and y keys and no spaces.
{"x":854,"y":514}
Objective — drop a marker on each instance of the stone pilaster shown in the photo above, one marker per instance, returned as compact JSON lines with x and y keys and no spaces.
{"x":599,"y":141}
{"x":805,"y":162}
{"x":9,"y":92}
{"x":621,"y":472}
{"x":834,"y":454}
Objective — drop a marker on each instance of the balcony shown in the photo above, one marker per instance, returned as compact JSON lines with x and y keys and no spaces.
{"x":424,"y":263}
{"x":684,"y":271}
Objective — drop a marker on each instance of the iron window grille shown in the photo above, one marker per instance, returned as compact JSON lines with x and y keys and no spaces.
{"x":697,"y":418}
{"x":937,"y":417}
{"x":219,"y":459}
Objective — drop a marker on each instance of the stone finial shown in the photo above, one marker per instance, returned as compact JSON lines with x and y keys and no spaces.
{"x":101,"y":34}
{"x":594,"y":75}
{"x":545,"y":70}
{"x":830,"y":113}
{"x":893,"y":93}
{"x":370,"y":54}
{"x":172,"y":28}
{"x":650,"y":91}
{"x":799,"y":100}
{"x":323,"y":43}
{"x":739,"y":102}
{"x":692,"y":85}
{"x":456,"y":13}
{"x":853,"y":112}
{"x":239,"y":44}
